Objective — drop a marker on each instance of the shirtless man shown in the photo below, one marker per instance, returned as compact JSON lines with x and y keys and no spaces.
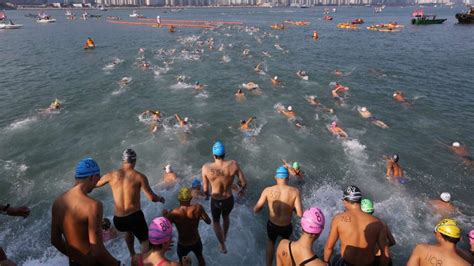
{"x":282,"y":201}
{"x":258,"y":68}
{"x":186,"y":217}
{"x":77,"y":218}
{"x":182,"y":121}
{"x":394,"y":170}
{"x":312,"y":100}
{"x":400,"y":97}
{"x":220,"y":176}
{"x":196,"y":191}
{"x":294,"y":169}
{"x":155,"y":117}
{"x":126,"y":184}
{"x":337,"y":131}
{"x":56,"y":105}
{"x":169,"y":177}
{"x":245,"y":125}
{"x":447,"y":235}
{"x":276,"y":81}
{"x":198,"y":86}
{"x":462,"y":151}
{"x":335,"y":92}
{"x":359,"y":233}
{"x":364,"y":113}
{"x":289,"y":113}
{"x":443,"y":205}
{"x":239,"y":95}
{"x":300,"y":252}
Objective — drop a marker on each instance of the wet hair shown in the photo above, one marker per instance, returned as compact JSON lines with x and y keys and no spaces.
{"x":106,"y":224}
{"x":450,"y":239}
{"x":220,"y":157}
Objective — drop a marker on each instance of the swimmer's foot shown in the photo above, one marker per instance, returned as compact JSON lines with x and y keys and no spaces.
{"x":222,"y":249}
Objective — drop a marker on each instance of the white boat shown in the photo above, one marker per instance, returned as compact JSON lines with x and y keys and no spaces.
{"x":9,"y":25}
{"x":135,"y":14}
{"x":68,"y":13}
{"x":102,"y":8}
{"x":45,"y":19}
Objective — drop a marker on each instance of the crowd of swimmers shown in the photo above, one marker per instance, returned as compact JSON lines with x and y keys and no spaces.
{"x":78,"y":228}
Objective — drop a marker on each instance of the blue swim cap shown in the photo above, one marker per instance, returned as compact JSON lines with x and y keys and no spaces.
{"x":87,"y":167}
{"x":196,"y":183}
{"x":282,"y":172}
{"x":218,"y":149}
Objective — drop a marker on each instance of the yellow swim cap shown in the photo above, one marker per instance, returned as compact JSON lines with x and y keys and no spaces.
{"x":448,"y":227}
{"x":184,"y":194}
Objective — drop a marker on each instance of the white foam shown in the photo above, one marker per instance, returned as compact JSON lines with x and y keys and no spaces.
{"x":22,"y":123}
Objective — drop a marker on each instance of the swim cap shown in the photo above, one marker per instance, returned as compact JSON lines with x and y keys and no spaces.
{"x":184,"y":194}
{"x":445,"y":196}
{"x":218,"y":149}
{"x":296,"y":165}
{"x":282,"y":172}
{"x":471,"y":236}
{"x":456,"y":144}
{"x":395,"y":157}
{"x":313,"y":221}
{"x":367,"y":206}
{"x":196,"y":183}
{"x":196,"y":83}
{"x":160,"y":231}
{"x":87,"y":167}
{"x":168,"y":168}
{"x":275,"y":78}
{"x":186,"y":119}
{"x":290,"y":108}
{"x":448,"y":227}
{"x":395,"y":94}
{"x":352,"y":194}
{"x":129,"y":156}
{"x":363,"y":109}
{"x":334,"y":124}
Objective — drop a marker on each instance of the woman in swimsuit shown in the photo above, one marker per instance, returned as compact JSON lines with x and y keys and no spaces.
{"x":300,"y":252}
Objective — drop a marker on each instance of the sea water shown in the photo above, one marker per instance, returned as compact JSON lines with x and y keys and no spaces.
{"x":38,"y":150}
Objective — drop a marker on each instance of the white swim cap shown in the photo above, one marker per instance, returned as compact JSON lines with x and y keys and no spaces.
{"x":395,"y":94}
{"x":275,"y":78}
{"x":456,"y":144}
{"x":168,"y":168}
{"x":363,"y":109}
{"x":290,"y":108}
{"x":445,"y":196}
{"x":186,"y":119}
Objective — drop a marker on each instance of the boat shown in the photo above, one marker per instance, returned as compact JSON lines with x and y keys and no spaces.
{"x":135,"y":14}
{"x":85,"y":15}
{"x":68,"y":13}
{"x":328,"y":18}
{"x":7,"y":24}
{"x":102,"y":8}
{"x":43,"y":18}
{"x":358,"y":21}
{"x":466,"y":17}
{"x":419,"y":18}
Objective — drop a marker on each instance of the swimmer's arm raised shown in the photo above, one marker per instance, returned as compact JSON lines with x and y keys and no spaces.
{"x":148,"y":192}
{"x":331,"y":241}
{"x":98,"y":249}
{"x":178,"y":118}
{"x":263,"y":198}
{"x":389,"y":169}
{"x":57,"y":239}
{"x":298,"y":205}
{"x":204,"y":215}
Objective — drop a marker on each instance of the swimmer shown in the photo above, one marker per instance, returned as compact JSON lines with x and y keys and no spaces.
{"x":246,"y":52}
{"x":124,"y":81}
{"x":300,"y":252}
{"x":337,"y":131}
{"x":360,"y":234}
{"x":245,"y":125}
{"x":155,"y":117}
{"x":462,"y":151}
{"x":169,"y":176}
{"x":239,"y":95}
{"x":276,"y":81}
{"x":282,"y":201}
{"x":182,"y":121}
{"x":258,"y":68}
{"x":302,"y":74}
{"x":394,"y":170}
{"x":289,"y":113}
{"x":186,"y":217}
{"x":145,"y":65}
{"x":335,"y":92}
{"x":108,"y":232}
{"x":400,"y":97}
{"x":367,"y":206}
{"x":250,"y":86}
{"x":443,"y":205}
{"x":312,"y":100}
{"x":338,"y":72}
{"x":196,"y":191}
{"x":54,"y":106}
{"x":89,"y":43}
{"x":368,"y":115}
{"x":447,"y":234}
{"x":294,"y":169}
{"x":198,"y":86}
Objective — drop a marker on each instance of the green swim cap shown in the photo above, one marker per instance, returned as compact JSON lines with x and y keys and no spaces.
{"x":296,"y":165}
{"x":367,"y":206}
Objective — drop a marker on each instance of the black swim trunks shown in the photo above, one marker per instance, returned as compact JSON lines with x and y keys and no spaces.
{"x":274,"y":231}
{"x":184,"y":250}
{"x":223,"y":207}
{"x":338,"y":260}
{"x":134,"y":223}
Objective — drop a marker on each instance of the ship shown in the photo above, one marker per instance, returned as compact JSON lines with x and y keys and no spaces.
{"x":466,"y":17}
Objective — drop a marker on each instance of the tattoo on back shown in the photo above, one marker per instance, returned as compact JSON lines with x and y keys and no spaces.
{"x":433,"y":260}
{"x":217,"y":172}
{"x":274,"y":194}
{"x":346,"y":219}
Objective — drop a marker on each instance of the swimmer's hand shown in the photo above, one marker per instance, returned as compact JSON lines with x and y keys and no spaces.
{"x":161,"y":199}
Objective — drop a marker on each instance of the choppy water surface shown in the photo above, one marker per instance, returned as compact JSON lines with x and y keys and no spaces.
{"x":431,"y":64}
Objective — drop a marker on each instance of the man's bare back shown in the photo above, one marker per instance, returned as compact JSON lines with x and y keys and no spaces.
{"x":221,"y":176}
{"x":281,"y":203}
{"x":187,"y":219}
{"x":429,"y":255}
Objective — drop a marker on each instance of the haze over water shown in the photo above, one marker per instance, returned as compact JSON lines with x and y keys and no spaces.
{"x":432,"y":64}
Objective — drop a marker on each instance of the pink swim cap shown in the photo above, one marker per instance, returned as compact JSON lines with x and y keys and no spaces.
{"x":471,"y":236}
{"x":313,"y":221}
{"x":334,"y":124}
{"x":160,"y":231}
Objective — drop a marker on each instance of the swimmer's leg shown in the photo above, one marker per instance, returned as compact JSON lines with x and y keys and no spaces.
{"x":270,"y":252}
{"x":129,"y":239}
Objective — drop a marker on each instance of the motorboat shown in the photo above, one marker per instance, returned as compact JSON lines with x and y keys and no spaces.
{"x":43,"y":18}
{"x":135,"y":14}
{"x":9,"y":25}
{"x":466,"y":17}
